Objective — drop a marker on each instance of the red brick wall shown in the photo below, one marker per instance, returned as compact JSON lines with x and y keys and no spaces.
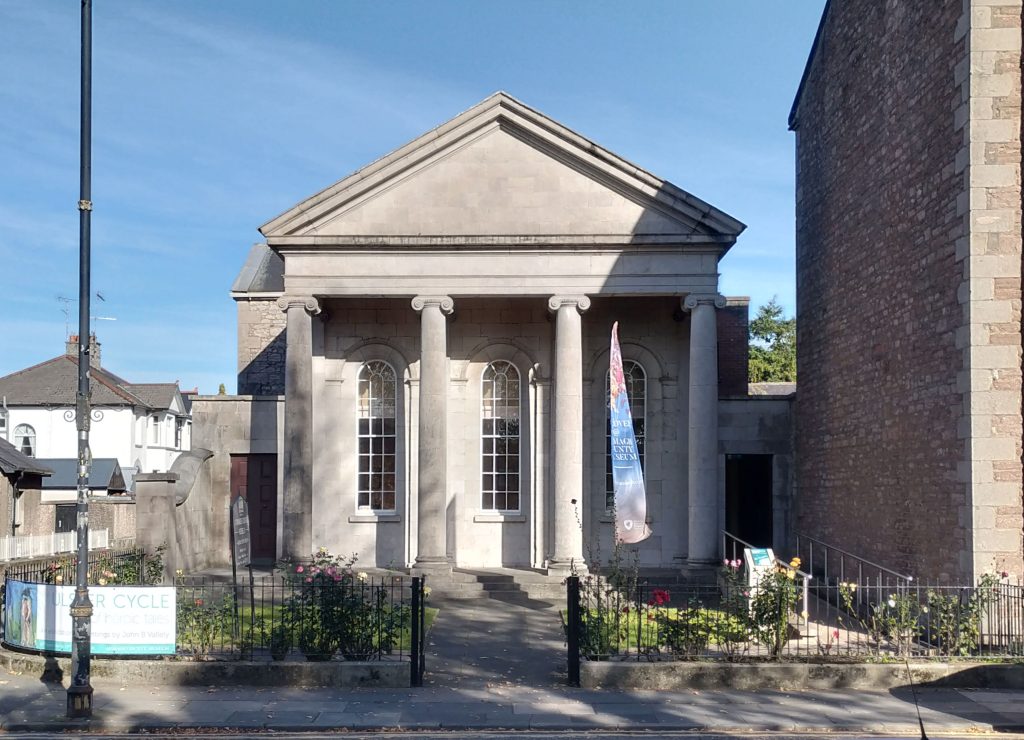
{"x":733,"y":356}
{"x":877,"y":401}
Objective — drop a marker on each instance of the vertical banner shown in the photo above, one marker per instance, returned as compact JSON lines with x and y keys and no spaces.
{"x":627,"y":475}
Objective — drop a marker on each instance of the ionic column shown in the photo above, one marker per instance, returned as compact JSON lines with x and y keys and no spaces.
{"x":298,"y":426}
{"x":568,"y":432}
{"x":703,"y":426}
{"x":433,"y":443}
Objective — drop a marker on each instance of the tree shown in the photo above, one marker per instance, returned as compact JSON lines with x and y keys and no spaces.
{"x":772,"y":345}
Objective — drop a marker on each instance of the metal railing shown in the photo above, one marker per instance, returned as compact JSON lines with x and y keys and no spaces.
{"x":732,"y":543}
{"x":21,"y":547}
{"x":728,"y":622}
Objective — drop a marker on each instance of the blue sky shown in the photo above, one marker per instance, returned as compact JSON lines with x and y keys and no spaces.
{"x":210,"y":118}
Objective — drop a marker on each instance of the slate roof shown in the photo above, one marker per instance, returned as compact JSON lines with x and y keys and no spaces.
{"x":104,"y":474}
{"x":14,"y":461}
{"x":263,"y":272}
{"x":55,"y":382}
{"x":154,"y":395}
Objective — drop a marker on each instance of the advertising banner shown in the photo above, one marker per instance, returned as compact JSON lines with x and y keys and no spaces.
{"x":627,"y":475}
{"x":126,"y":620}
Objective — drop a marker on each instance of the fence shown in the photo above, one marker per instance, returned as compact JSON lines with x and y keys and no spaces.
{"x":129,"y":565}
{"x":640,"y":621}
{"x":42,"y":545}
{"x":351,"y":617}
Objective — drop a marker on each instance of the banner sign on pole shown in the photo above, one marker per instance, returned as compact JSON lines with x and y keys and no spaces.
{"x":627,"y":475}
{"x":240,"y":525}
{"x":126,"y":620}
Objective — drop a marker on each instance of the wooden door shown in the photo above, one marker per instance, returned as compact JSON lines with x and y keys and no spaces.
{"x":254,"y":477}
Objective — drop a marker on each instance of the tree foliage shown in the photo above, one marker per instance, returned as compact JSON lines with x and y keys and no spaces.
{"x":772,"y":345}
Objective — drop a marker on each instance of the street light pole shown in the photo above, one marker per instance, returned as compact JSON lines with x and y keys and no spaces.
{"x":80,"y":688}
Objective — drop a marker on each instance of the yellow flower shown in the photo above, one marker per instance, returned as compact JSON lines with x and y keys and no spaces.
{"x":426,"y":590}
{"x":60,"y":578}
{"x":790,"y":574}
{"x":103,"y":581}
{"x":795,"y":563}
{"x":804,"y":614}
{"x":179,"y":572}
{"x":361,"y":576}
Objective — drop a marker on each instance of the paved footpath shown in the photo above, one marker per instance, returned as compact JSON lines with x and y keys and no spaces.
{"x":478,"y":681}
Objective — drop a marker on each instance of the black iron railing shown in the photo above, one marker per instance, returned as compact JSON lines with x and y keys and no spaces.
{"x":732,"y":620}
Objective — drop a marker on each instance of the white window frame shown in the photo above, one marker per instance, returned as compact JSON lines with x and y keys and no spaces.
{"x":5,"y":422}
{"x":494,"y":439}
{"x":609,"y":493}
{"x":26,"y":430}
{"x":371,"y":436}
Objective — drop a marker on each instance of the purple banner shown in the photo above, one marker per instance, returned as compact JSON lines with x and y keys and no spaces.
{"x":627,"y":475}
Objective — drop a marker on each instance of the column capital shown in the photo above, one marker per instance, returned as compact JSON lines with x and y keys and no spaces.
{"x":580,"y":302}
{"x":443,"y":302}
{"x":311,"y":304}
{"x":693,"y":300}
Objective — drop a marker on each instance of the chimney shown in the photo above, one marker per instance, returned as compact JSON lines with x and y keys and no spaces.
{"x":71,"y":348}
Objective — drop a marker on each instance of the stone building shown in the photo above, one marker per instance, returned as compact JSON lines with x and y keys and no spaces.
{"x":908,"y":414}
{"x":437,"y":327}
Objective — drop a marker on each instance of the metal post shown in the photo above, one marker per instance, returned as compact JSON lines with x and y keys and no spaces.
{"x":572,"y":613}
{"x":79,"y":697}
{"x":416,"y":637}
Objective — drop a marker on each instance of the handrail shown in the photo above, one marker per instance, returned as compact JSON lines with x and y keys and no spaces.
{"x":865,"y":561}
{"x":803,"y":574}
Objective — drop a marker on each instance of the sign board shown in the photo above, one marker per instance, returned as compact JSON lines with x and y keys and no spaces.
{"x":126,"y":620}
{"x":240,"y":528}
{"x":759,"y":560}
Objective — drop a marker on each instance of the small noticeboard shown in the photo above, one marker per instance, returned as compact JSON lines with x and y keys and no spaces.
{"x":759,"y":560}
{"x":240,"y":529}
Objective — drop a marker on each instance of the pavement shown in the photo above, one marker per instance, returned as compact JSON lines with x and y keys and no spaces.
{"x":494,"y":666}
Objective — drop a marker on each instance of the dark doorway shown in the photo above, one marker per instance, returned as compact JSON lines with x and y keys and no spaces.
{"x":748,"y":498}
{"x":66,"y":518}
{"x":254,"y":477}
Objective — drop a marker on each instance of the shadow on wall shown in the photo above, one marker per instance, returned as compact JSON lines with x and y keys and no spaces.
{"x":264,"y":375}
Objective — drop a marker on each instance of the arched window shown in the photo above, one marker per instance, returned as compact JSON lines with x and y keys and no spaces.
{"x":25,"y":439}
{"x":378,"y":402}
{"x":636,"y":392}
{"x":499,"y":432}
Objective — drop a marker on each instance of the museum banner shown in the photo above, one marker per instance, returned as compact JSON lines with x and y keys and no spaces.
{"x":126,"y":620}
{"x":627,"y":474}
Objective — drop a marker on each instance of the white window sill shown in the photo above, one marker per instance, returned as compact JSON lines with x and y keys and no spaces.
{"x":492,"y":517}
{"x":374,"y":518}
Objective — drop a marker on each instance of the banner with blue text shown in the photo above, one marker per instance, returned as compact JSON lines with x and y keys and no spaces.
{"x":627,"y":473}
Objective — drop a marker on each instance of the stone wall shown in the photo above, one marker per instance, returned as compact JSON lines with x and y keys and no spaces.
{"x":261,"y":347}
{"x":989,"y":257}
{"x":892,"y":439}
{"x":761,"y":425}
{"x":227,"y":425}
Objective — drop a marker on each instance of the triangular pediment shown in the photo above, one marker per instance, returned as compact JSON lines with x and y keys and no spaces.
{"x":502,"y":169}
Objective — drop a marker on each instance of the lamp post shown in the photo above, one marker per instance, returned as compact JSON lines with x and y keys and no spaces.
{"x":80,"y":688}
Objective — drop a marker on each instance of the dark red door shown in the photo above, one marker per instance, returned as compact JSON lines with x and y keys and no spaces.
{"x":254,"y":477}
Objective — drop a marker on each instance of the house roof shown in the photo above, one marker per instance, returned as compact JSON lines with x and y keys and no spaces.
{"x":263,"y":272}
{"x":55,"y":383}
{"x":155,"y":395}
{"x":794,"y":116}
{"x":14,"y":461}
{"x":104,"y":474}
{"x":309,"y":222}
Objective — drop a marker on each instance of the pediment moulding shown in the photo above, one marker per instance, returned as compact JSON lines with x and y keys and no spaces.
{"x":527,"y":143}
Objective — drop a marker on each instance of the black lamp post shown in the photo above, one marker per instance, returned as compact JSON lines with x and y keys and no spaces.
{"x":80,"y":688}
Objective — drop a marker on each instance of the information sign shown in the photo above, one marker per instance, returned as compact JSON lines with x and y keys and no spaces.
{"x":240,"y":527}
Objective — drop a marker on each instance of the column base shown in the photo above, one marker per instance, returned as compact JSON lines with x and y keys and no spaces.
{"x":432,"y":566}
{"x":565,"y":568}
{"x":701,"y":571}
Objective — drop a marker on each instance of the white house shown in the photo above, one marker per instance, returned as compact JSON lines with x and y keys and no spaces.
{"x":144,"y":426}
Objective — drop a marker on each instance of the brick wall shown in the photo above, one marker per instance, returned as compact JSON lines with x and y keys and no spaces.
{"x":877,"y":405}
{"x":261,"y":348}
{"x":733,"y":353}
